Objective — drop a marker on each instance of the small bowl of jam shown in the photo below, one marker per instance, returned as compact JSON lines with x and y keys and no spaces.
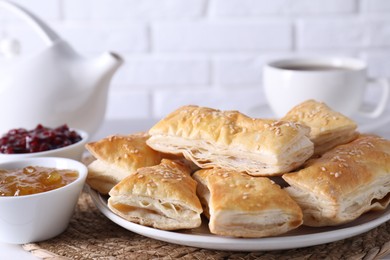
{"x":42,"y":141}
{"x":38,"y":197}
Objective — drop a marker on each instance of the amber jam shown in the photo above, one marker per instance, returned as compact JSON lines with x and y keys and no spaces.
{"x":39,"y":139}
{"x":34,"y":179}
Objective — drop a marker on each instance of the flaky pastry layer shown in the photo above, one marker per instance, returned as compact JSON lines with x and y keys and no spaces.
{"x":328,"y":128}
{"x":161,"y":196}
{"x":231,"y":140}
{"x":117,"y":156}
{"x":239,"y":205}
{"x":344,"y":183}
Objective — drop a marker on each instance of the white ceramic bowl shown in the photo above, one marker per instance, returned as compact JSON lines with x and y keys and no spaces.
{"x":73,"y":151}
{"x":40,"y":216}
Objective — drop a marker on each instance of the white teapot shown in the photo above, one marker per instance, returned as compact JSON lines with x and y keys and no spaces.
{"x":55,"y":86}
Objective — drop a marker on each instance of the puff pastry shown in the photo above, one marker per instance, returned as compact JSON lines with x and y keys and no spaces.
{"x":117,"y":157}
{"x":161,"y":196}
{"x":328,"y":128}
{"x":239,"y":205}
{"x":344,"y":183}
{"x":231,"y":140}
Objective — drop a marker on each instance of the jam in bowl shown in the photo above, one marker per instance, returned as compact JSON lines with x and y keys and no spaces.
{"x":29,"y":212}
{"x":34,"y":179}
{"x":41,"y":141}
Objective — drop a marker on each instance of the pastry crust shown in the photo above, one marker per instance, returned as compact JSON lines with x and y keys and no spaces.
{"x":344,"y":183}
{"x":161,"y":196}
{"x":328,"y":128}
{"x":228,"y":139}
{"x":239,"y":205}
{"x":116,"y":157}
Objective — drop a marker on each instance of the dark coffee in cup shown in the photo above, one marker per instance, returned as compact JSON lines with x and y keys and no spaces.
{"x":340,"y":82}
{"x":313,"y":67}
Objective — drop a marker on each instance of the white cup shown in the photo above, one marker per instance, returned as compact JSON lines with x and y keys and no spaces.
{"x":337,"y":81}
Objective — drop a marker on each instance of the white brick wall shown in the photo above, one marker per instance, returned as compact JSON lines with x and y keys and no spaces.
{"x":221,"y":36}
{"x":157,"y":72}
{"x":206,"y":52}
{"x":258,"y":8}
{"x":130,"y":10}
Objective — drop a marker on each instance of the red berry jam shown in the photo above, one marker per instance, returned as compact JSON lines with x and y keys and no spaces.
{"x":39,"y":139}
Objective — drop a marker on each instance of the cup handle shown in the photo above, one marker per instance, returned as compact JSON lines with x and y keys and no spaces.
{"x":381,"y":106}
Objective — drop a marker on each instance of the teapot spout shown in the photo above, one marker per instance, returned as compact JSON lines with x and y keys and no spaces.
{"x":107,"y":64}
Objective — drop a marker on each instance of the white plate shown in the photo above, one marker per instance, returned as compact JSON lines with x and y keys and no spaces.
{"x":201,"y":237}
{"x":364,"y":124}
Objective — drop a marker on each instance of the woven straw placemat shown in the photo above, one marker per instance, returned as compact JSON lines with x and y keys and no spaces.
{"x":91,"y":235}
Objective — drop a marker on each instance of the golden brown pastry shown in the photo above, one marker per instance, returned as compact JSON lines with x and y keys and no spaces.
{"x":161,"y":196}
{"x":328,"y":128}
{"x":117,"y":157}
{"x":228,"y":139}
{"x":344,"y":183}
{"x":240,"y":205}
